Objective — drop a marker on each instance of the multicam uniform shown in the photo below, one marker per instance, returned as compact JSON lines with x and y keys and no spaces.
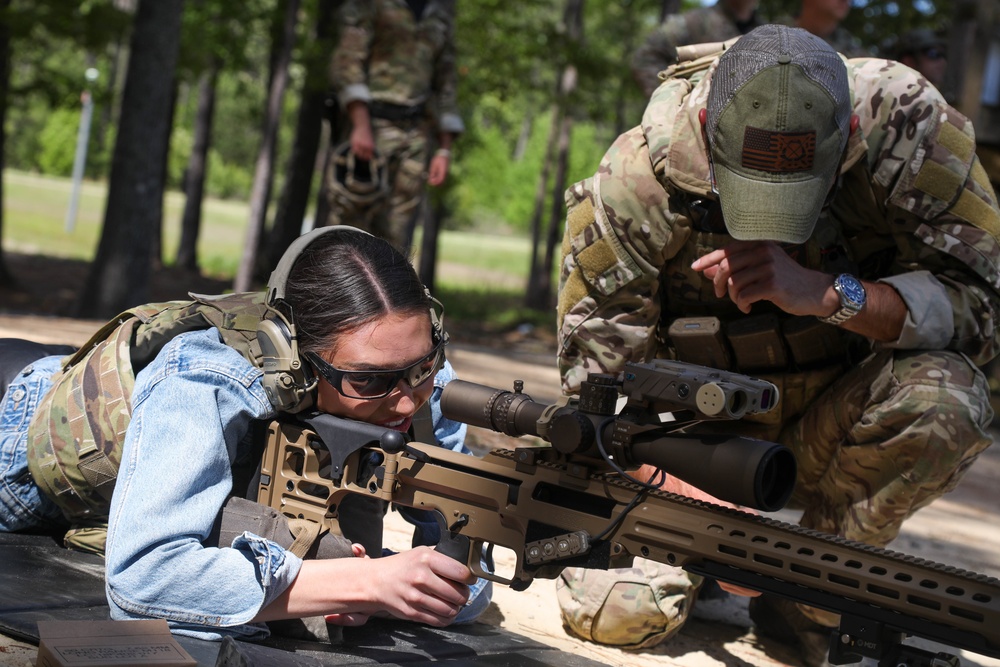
{"x":841,"y":39}
{"x":698,"y":26}
{"x":879,"y":430}
{"x":403,"y":68}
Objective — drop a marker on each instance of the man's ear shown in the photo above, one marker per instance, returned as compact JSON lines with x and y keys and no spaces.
{"x":703,"y":119}
{"x":855,"y":122}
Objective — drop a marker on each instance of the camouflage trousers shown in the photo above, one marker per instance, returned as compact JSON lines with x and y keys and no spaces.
{"x":884,"y":440}
{"x":404,"y":147}
{"x":873,"y":445}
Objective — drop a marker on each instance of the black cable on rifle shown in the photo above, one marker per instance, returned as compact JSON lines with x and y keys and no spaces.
{"x":659,"y":475}
{"x":621,"y":516}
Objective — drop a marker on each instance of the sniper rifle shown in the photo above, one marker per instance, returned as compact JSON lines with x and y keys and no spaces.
{"x":574,"y":502}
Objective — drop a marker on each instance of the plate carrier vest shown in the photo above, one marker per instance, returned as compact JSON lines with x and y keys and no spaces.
{"x":76,"y":436}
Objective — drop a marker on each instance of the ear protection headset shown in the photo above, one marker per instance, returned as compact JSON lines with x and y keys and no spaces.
{"x":288,"y":381}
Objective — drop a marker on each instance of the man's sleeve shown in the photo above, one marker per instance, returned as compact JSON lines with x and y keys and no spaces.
{"x":349,"y":61}
{"x":615,"y":241}
{"x":944,"y":216}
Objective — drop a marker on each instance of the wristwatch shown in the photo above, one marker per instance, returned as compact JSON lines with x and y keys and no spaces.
{"x":852,"y":298}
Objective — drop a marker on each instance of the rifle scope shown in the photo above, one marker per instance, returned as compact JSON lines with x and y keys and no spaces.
{"x":744,"y":471}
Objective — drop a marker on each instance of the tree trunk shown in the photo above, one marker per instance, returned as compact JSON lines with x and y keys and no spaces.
{"x":6,"y":279}
{"x":156,"y":238}
{"x":540,"y":297}
{"x":624,"y":118}
{"x":260,"y":192}
{"x":558,"y":206}
{"x":197,"y":171}
{"x":294,"y":199}
{"x":119,"y":277}
{"x":524,"y":136}
{"x":668,"y":7}
{"x":533,"y":297}
{"x":322,"y":211}
{"x":106,"y":118}
{"x":433,"y":214}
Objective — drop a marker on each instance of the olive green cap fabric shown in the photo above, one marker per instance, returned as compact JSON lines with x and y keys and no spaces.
{"x":779,"y":114}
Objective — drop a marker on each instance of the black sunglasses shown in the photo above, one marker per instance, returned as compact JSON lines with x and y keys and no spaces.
{"x":372,"y":384}
{"x":934,"y":53}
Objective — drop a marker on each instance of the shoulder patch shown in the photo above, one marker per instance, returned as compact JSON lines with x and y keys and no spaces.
{"x":976,"y":210}
{"x":939,"y":167}
{"x":594,"y":249}
{"x":579,"y":218}
{"x":572,"y":291}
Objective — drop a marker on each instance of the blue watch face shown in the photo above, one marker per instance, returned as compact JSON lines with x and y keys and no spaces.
{"x":852,"y":289}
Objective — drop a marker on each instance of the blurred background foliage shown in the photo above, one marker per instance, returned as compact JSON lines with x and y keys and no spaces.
{"x":544,"y":88}
{"x":509,"y":53}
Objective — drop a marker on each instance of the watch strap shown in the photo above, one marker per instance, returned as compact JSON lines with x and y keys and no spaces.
{"x":840,"y":316}
{"x":848,"y":309}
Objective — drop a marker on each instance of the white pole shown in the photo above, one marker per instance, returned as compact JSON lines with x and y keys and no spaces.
{"x":80,"y":159}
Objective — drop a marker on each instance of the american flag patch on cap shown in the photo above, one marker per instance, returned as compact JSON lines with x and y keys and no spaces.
{"x":778,"y":152}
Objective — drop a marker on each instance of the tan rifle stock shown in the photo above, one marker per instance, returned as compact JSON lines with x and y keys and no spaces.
{"x":554,"y":510}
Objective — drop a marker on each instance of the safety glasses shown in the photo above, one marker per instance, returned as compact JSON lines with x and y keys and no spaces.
{"x":373,"y":384}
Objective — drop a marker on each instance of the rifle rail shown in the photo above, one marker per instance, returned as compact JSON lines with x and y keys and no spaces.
{"x":730,"y":544}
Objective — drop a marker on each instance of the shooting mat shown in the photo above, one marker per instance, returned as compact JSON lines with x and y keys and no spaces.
{"x":40,"y":580}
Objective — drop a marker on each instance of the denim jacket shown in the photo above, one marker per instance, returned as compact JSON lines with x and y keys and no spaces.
{"x":192,"y":410}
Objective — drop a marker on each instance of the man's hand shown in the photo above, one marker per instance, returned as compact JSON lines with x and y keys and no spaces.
{"x":362,"y":141}
{"x":751,"y":271}
{"x":438,"y":169}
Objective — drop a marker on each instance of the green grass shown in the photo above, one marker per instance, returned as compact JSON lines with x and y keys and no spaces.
{"x":35,"y":210}
{"x":506,"y":254}
{"x":480,"y":277}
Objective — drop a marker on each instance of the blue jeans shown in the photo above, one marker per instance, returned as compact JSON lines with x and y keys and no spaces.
{"x":22,"y":504}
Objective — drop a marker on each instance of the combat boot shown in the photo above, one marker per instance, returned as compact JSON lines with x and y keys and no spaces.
{"x":780,"y":619}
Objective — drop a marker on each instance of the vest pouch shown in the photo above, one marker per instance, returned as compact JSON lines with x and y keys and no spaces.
{"x":757,"y":343}
{"x":813,"y":343}
{"x":89,"y":539}
{"x":700,"y":340}
{"x":75,"y":437}
{"x":100,"y":473}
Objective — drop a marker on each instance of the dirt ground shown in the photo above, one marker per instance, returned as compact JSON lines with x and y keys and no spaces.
{"x":961,"y":529}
